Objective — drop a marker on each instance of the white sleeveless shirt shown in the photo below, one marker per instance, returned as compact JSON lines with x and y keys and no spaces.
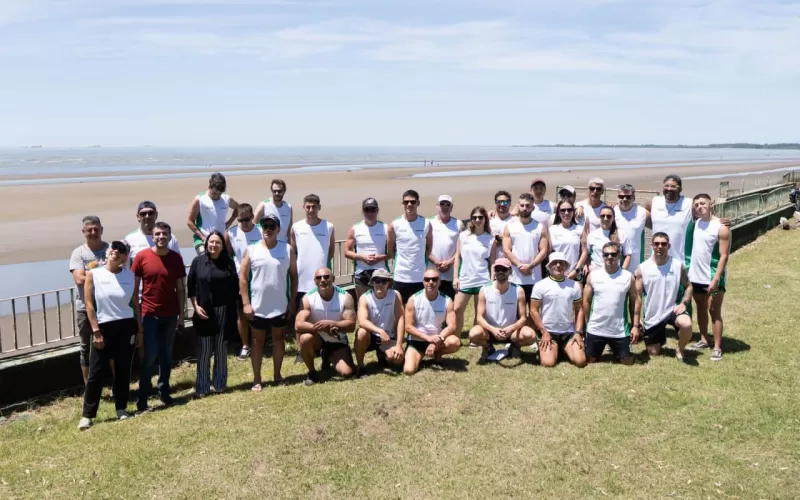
{"x":429,"y":316}
{"x":370,"y":240}
{"x":475,"y":253}
{"x":269,"y":279}
{"x":567,"y":241}
{"x":632,"y":225}
{"x":112,"y":294}
{"x":313,"y":247}
{"x":609,"y":311}
{"x":673,"y":219}
{"x":326,"y":310}
{"x":501,"y":309}
{"x":591,"y":213}
{"x":284,"y":213}
{"x":381,"y":311}
{"x":445,"y":237}
{"x":661,"y":287}
{"x":525,"y":240}
{"x":410,"y":241}
{"x":599,"y":237}
{"x":498,"y":226}
{"x":240,"y":240}
{"x":705,"y":251}
{"x":213,"y":214}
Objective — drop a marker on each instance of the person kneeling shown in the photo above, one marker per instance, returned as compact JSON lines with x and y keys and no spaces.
{"x":327,"y":317}
{"x":427,"y":313}
{"x":501,"y":316}
{"x":380,"y":318}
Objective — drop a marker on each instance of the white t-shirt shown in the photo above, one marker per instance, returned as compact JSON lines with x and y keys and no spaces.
{"x":705,"y":253}
{"x":591,"y":214}
{"x":609,"y":311}
{"x":429,"y":316}
{"x":213,"y":215}
{"x":313,"y":245}
{"x":557,"y":300}
{"x":497,"y":226}
{"x":475,"y":255}
{"x":445,"y":237}
{"x":381,"y":311}
{"x":326,"y":310}
{"x":599,"y":237}
{"x":411,"y":244}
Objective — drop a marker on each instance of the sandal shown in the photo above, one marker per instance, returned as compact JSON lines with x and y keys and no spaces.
{"x":256,"y":388}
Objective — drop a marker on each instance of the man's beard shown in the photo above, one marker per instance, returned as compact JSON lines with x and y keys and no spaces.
{"x":524,"y":214}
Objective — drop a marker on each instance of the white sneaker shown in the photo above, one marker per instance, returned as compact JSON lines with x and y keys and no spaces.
{"x":84,"y":424}
{"x":123,"y":415}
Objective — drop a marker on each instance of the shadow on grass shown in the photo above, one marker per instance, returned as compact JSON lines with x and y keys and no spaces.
{"x":689,"y":357}
{"x":730,"y":345}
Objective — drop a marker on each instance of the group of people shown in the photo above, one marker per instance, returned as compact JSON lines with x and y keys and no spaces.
{"x":571,"y":277}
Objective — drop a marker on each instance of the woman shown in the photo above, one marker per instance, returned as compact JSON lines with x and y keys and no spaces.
{"x":607,"y":231}
{"x":112,"y":308}
{"x":476,"y":250}
{"x":212,"y":288}
{"x":567,"y":237}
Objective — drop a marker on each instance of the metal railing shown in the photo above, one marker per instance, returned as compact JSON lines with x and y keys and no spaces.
{"x":792,"y":177}
{"x":747,"y":206}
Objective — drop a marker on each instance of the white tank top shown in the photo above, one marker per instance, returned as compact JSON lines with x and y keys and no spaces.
{"x":240,"y":240}
{"x":632,"y":224}
{"x":568,"y":241}
{"x":445,"y":237}
{"x":313,"y":246}
{"x":475,"y":250}
{"x":269,"y":279}
{"x":661,"y":287}
{"x":139,"y":241}
{"x":112,"y":294}
{"x":501,"y":309}
{"x":410,"y":241}
{"x":429,"y":316}
{"x":592,"y":214}
{"x":498,"y":226}
{"x":599,"y":237}
{"x":673,"y":219}
{"x":525,"y":240}
{"x":213,"y":214}
{"x":381,"y":311}
{"x":370,"y":240}
{"x":284,"y":213}
{"x":326,"y":310}
{"x":609,"y":310}
{"x":705,"y":251}
{"x":545,"y":206}
{"x":557,"y":301}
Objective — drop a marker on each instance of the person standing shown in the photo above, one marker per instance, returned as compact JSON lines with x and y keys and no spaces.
{"x":500,"y":217}
{"x":276,"y":206}
{"x":567,"y":193}
{"x":268,"y":288}
{"x":142,"y":238}
{"x":708,"y":252}
{"x":607,"y":231}
{"x":213,"y":286}
{"x":413,"y":239}
{"x":112,"y":310}
{"x":86,"y":257}
{"x":591,"y":206}
{"x":475,"y":255}
{"x":542,"y":208}
{"x":569,"y":237}
{"x":314,"y":241}
{"x":159,"y":274}
{"x":380,"y":323}
{"x":631,"y":219}
{"x":671,"y":213}
{"x":209,"y":211}
{"x":446,"y":229}
{"x":525,"y":244}
{"x":366,"y":245}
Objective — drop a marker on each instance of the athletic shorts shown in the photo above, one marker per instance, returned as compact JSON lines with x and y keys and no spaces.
{"x":699,"y":289}
{"x":329,"y":348}
{"x":418,"y":345}
{"x":595,"y":345}
{"x":85,"y":333}
{"x":267,"y":324}
{"x":528,"y":289}
{"x":362,"y":278}
{"x":375,"y":343}
{"x":470,"y":291}
{"x":657,"y":335}
{"x":446,"y":288}
{"x":561,"y":339}
{"x":406,"y":290}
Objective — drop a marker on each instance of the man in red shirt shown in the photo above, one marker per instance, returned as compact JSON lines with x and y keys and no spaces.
{"x":159,"y":275}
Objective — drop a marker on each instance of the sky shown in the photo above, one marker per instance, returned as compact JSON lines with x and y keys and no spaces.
{"x":392,"y":73}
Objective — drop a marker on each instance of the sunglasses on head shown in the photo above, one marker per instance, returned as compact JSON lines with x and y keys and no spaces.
{"x":596,"y":188}
{"x":321,"y":277}
{"x":609,"y":255}
{"x":430,"y":280}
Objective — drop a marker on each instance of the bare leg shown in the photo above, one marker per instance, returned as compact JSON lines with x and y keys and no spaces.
{"x":308,"y":344}
{"x":395,"y":357}
{"x":655,"y":349}
{"x":701,"y":302}
{"x":548,"y":354}
{"x":460,"y":304}
{"x":85,"y":373}
{"x":684,"y":324}
{"x":715,"y":309}
{"x":342,"y":361}
{"x":525,"y":336}
{"x":478,"y":336}
{"x":413,"y":359}
{"x":278,"y":351}
{"x":361,"y":346}
{"x":258,"y":353}
{"x":450,"y":345}
{"x":576,"y":354}
{"x":243,"y":326}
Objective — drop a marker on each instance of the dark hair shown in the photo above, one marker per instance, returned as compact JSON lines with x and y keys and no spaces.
{"x":613,"y":233}
{"x":224,"y":252}
{"x":218,"y":182}
{"x":412,"y":194}
{"x":163,"y":226}
{"x":311,"y":198}
{"x":612,"y":244}
{"x":660,"y":235}
{"x":627,"y":188}
{"x":121,"y":247}
{"x":245,"y":209}
{"x":527,"y":197}
{"x":279,"y":182}
{"x":471,"y":224}
{"x":674,"y":177}
{"x":502,"y":193}
{"x":558,"y":219}
{"x":702,"y":196}
{"x":92,"y":220}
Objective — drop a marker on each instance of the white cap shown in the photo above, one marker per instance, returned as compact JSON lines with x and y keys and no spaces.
{"x":445,"y":197}
{"x":567,"y":188}
{"x":558,"y":256}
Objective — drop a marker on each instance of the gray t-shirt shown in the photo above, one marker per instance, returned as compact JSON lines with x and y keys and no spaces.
{"x":85,"y":258}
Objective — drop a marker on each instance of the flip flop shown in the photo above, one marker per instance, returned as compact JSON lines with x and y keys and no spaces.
{"x":256,"y":388}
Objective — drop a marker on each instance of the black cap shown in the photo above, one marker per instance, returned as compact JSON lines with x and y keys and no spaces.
{"x":369,"y":202}
{"x":121,"y":247}
{"x":269,"y":218}
{"x":146,"y":204}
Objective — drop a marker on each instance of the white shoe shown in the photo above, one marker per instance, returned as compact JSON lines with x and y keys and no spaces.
{"x":84,"y":424}
{"x":123,"y":415}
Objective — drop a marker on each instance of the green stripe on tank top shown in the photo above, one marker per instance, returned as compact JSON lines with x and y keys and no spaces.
{"x":641,"y":248}
{"x":198,"y":221}
{"x":688,"y":244}
{"x":715,"y":256}
{"x":626,"y":318}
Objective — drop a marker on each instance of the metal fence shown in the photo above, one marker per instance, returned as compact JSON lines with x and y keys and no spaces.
{"x":747,"y":206}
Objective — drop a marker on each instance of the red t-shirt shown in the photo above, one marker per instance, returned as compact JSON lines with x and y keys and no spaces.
{"x":158,"y":274}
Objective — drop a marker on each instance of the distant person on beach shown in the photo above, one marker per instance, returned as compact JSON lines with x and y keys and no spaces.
{"x":671,"y":213}
{"x":664,"y":281}
{"x":526,"y":243}
{"x":209,"y":211}
{"x":147,"y":215}
{"x":159,"y":275}
{"x":708,"y":251}
{"x":314,"y":241}
{"x":112,"y":311}
{"x":268,"y":289}
{"x":446,"y":229}
{"x":499,"y":217}
{"x":381,"y":324}
{"x":631,"y":219}
{"x":591,"y":206}
{"x":476,"y":251}
{"x":567,"y":236}
{"x":86,"y":257}
{"x":276,"y":206}
{"x":608,"y":231}
{"x":413,"y":239}
{"x":430,"y":321}
{"x":326,"y":317}
{"x":367,"y":246}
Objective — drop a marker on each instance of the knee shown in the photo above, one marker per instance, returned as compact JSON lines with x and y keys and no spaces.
{"x":452,"y":342}
{"x":526,"y":336}
{"x":361,"y":334}
{"x":579,"y":361}
{"x":306,"y":341}
{"x":477,"y":333}
{"x":344,"y":370}
{"x":654,"y":350}
{"x":548,"y":361}
{"x":409,"y":370}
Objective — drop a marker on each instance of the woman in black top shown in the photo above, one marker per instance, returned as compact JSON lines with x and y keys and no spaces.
{"x":213,"y":286}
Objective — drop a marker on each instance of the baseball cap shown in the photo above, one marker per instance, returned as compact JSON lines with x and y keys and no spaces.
{"x":569,"y":189}
{"x":502,"y":262}
{"x":270,"y":217}
{"x":146,"y":204}
{"x":445,"y":197}
{"x":369,"y":203}
{"x":556,"y":256}
{"x":538,"y":180}
{"x":380,"y":273}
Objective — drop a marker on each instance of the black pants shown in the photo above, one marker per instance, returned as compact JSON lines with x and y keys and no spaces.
{"x":119,"y":338}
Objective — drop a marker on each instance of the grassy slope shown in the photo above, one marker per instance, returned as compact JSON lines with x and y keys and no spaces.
{"x":658,"y":429}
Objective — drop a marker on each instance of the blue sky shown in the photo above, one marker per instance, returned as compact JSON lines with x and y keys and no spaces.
{"x":380,"y":72}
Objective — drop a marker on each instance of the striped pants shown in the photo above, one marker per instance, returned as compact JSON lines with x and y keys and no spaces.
{"x":206,"y":346}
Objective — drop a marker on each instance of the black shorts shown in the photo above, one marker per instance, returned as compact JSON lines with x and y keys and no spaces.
{"x":528,"y":289}
{"x":699,"y":289}
{"x":406,"y":290}
{"x":447,"y":289}
{"x":418,"y":345}
{"x":561,"y":339}
{"x":267,"y":324}
{"x":362,"y":278}
{"x":595,"y":345}
{"x":376,"y":344}
{"x":329,"y":348}
{"x":657,"y":335}
{"x":299,"y":299}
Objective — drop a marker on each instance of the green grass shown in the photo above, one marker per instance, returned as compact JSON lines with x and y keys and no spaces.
{"x":654,"y":430}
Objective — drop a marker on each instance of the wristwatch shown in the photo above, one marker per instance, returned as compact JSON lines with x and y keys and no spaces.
{"x":579,"y":332}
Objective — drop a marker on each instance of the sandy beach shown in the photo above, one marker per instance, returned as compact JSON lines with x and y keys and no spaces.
{"x":44,"y":220}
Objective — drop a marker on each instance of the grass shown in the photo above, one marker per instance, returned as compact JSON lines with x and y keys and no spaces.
{"x":654,"y":430}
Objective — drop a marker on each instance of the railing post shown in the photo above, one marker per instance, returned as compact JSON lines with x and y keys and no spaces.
{"x":44,"y":317}
{"x":58,"y":311}
{"x":30,"y":319}
{"x":72,"y":309}
{"x":14,"y":322}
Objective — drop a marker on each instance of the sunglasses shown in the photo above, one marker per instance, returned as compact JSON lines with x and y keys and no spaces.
{"x":501,"y":269}
{"x":322,"y":277}
{"x":596,"y":189}
{"x":477,"y":217}
{"x":148,"y":213}
{"x":625,"y":196}
{"x":660,"y":244}
{"x":409,"y":202}
{"x":430,"y":280}
{"x":245,"y":219}
{"x":606,"y":217}
{"x":502,"y":202}
{"x":277,"y":191}
{"x":370,"y":210}
{"x":609,"y":255}
{"x":445,"y":204}
{"x":379,"y":281}
{"x":566,"y":210}
{"x":269,"y":227}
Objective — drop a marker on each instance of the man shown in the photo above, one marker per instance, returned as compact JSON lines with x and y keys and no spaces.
{"x":501,"y":315}
{"x":366,"y":245}
{"x":209,"y":211}
{"x":430,"y":320}
{"x":543,"y":209}
{"x":314,"y":241}
{"x":83,"y":259}
{"x":268,"y":271}
{"x":605,"y":304}
{"x":631,"y":220}
{"x":159,"y":274}
{"x":413,"y":240}
{"x":323,"y":323}
{"x":525,"y":244}
{"x":499,"y":218}
{"x":142,"y":238}
{"x":446,"y":229}
{"x":665,"y":284}
{"x":277,"y":207}
{"x":380,"y":323}
{"x":556,"y":312}
{"x":591,"y":206}
{"x":672,"y":214}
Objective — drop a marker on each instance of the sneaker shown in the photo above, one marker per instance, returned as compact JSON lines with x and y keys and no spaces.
{"x":84,"y":424}
{"x":716,"y":355}
{"x":535,"y":347}
{"x":472,"y":345}
{"x":311,"y":379}
{"x":142,"y":408}
{"x":244,"y":353}
{"x":700,"y":344}
{"x":123,"y":415}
